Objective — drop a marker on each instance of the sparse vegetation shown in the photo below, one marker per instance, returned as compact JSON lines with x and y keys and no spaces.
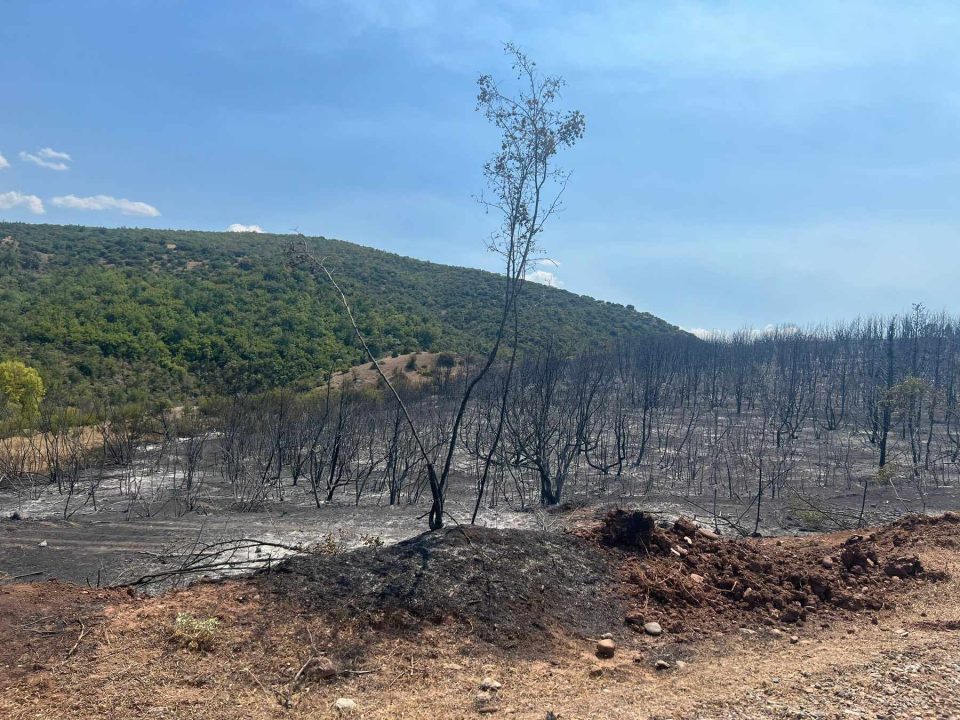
{"x":192,"y":633}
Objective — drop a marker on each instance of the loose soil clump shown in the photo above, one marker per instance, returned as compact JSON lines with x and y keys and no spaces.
{"x":690,"y":580}
{"x":506,"y":586}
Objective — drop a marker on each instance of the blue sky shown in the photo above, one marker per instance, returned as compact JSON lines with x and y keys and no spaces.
{"x":745,"y":163}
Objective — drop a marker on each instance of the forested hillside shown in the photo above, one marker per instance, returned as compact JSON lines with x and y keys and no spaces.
{"x":122,"y":314}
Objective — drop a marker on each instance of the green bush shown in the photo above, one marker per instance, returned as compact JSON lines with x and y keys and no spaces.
{"x":193,"y":633}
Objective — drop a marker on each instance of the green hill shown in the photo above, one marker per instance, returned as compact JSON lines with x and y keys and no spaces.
{"x":123,"y":314}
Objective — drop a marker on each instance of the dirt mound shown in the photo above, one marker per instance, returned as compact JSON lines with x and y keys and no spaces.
{"x":506,"y":585}
{"x":689,"y":579}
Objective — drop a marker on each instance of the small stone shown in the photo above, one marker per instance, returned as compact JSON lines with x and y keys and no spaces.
{"x":687,"y":540}
{"x":345,"y":706}
{"x":697,"y":578}
{"x":596,"y":672}
{"x":486,"y":701}
{"x":707,"y":533}
{"x":653,"y":628}
{"x":681,"y":665}
{"x":661,"y":665}
{"x":794,"y":639}
{"x":607,"y":636}
{"x":42,"y":543}
{"x":489,"y":683}
{"x":827,"y":562}
{"x":606,"y":648}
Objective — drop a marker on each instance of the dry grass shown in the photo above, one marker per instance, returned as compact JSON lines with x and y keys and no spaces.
{"x":361,"y":376}
{"x":33,"y":447}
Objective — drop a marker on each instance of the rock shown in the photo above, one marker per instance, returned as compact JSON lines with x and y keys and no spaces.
{"x":323,"y":667}
{"x":903,"y":567}
{"x":685,"y":526}
{"x":661,"y":665}
{"x":680,"y":664}
{"x":345,"y":706}
{"x":634,"y":617}
{"x":697,"y":578}
{"x":854,"y":556}
{"x":595,"y":672}
{"x":42,"y":543}
{"x":607,"y":636}
{"x":791,"y":614}
{"x":653,"y":628}
{"x":794,"y":639}
{"x":827,"y":562}
{"x":606,"y":648}
{"x":707,"y":533}
{"x":489,"y":683}
{"x":486,"y":701}
{"x":687,"y":540}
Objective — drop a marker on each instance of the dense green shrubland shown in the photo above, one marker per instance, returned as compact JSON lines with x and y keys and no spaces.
{"x":137,"y":314}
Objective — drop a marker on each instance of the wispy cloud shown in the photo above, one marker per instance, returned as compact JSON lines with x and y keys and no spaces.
{"x":106,"y":202}
{"x":3,"y":162}
{"x":14,"y":199}
{"x":238,"y":227}
{"x":47,"y":158}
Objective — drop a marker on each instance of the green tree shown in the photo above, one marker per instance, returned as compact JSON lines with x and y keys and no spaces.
{"x":21,"y":390}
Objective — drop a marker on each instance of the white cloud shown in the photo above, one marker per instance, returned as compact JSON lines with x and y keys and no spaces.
{"x":13,"y":199}
{"x":3,"y":162}
{"x":238,"y":227}
{"x":51,"y":154}
{"x":47,"y":158}
{"x":105,"y":202}
{"x":544,"y":277}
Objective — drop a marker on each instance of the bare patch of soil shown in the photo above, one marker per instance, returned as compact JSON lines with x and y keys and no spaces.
{"x":41,"y":622}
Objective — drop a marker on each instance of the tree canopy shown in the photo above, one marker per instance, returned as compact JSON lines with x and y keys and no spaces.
{"x":21,"y":391}
{"x":136,"y":314}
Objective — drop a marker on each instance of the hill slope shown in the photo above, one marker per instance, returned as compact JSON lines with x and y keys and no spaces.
{"x":127,"y":313}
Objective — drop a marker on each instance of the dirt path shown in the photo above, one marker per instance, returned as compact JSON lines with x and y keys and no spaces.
{"x":902,"y":662}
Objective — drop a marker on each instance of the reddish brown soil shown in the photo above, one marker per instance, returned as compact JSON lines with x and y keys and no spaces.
{"x":272,"y":632}
{"x":691,"y":581}
{"x":41,"y":622}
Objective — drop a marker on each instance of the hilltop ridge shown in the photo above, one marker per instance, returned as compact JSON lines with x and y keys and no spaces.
{"x":132,"y":313}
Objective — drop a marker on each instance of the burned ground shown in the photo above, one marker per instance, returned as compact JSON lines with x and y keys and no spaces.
{"x":506,"y":586}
